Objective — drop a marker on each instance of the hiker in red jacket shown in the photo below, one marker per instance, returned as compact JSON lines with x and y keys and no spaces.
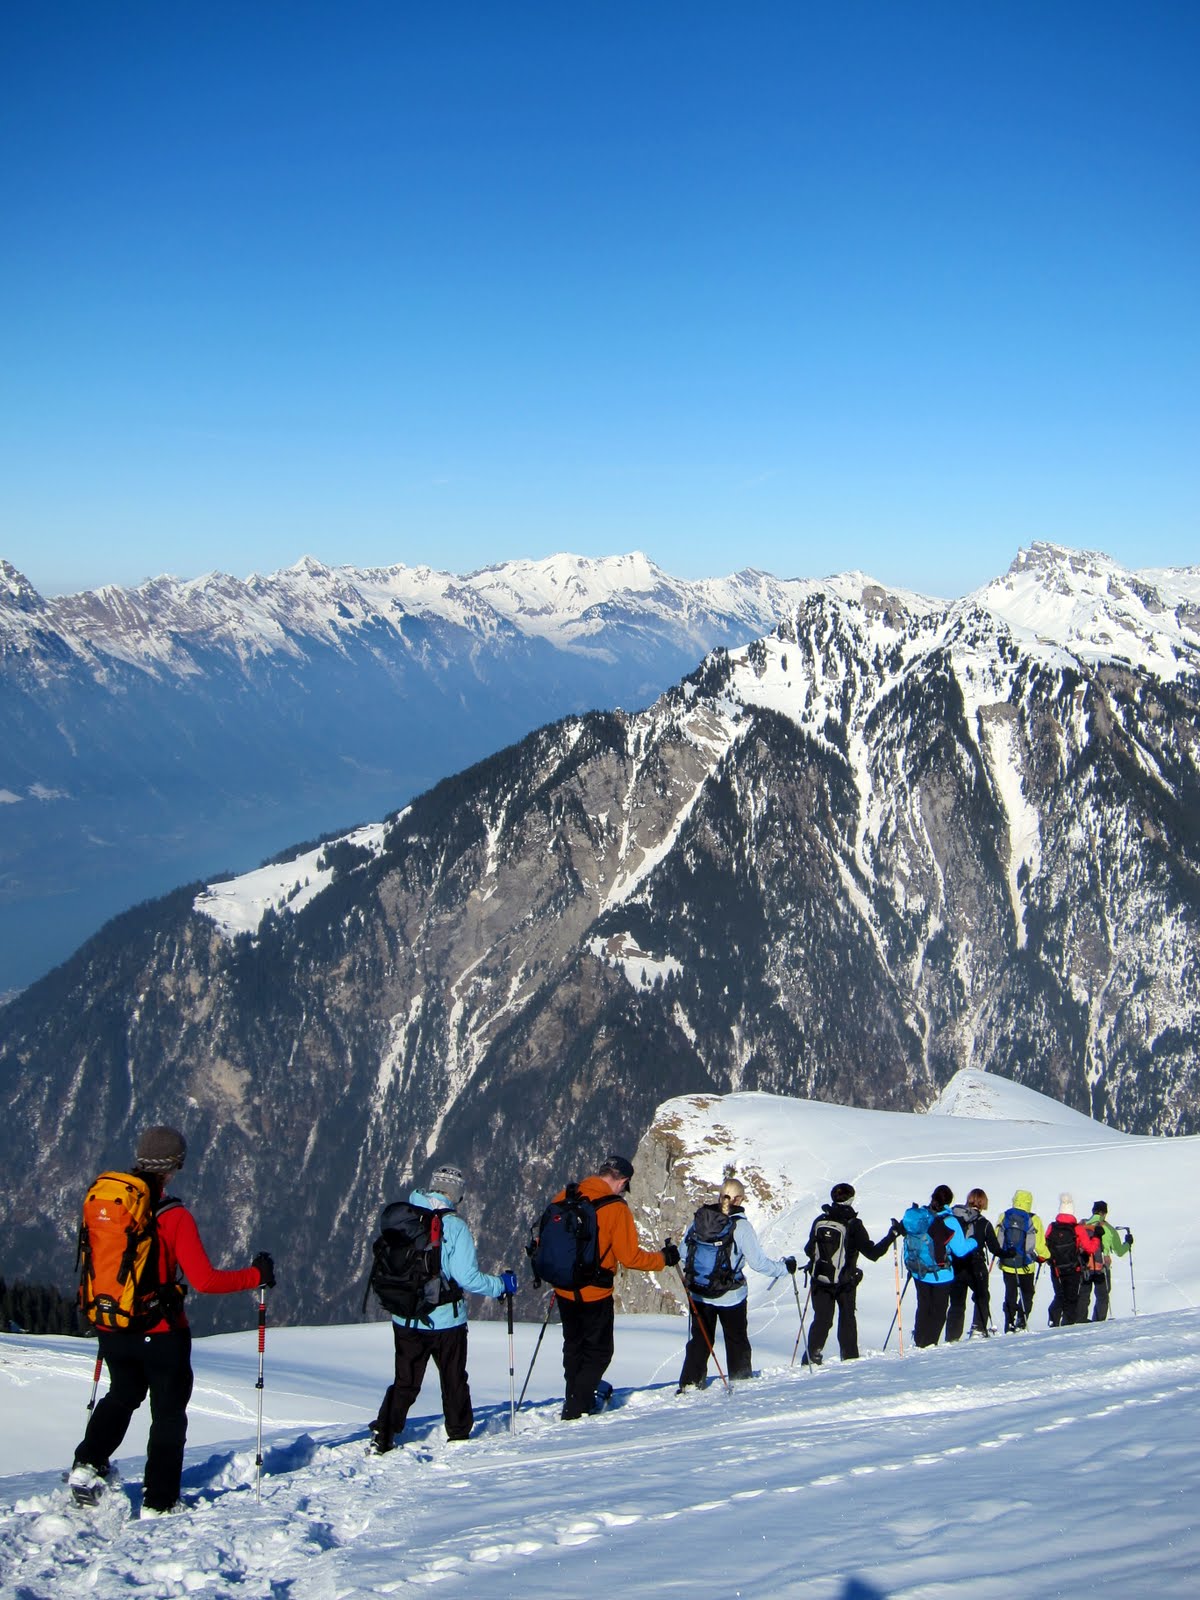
{"x":1071,"y":1248}
{"x":157,"y":1359}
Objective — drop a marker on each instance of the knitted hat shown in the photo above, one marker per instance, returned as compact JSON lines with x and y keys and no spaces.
{"x":160,"y":1150}
{"x":1066,"y":1204}
{"x":618,"y":1165}
{"x":841,"y":1193}
{"x":450,"y":1181}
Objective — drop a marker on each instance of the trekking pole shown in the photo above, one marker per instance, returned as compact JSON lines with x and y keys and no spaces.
{"x":696,"y":1319}
{"x":91,"y":1405}
{"x":262,"y":1344}
{"x":512,"y":1378}
{"x":536,"y":1348}
{"x":899,"y":1298}
{"x":1132,"y":1284}
{"x":896,"y":1315}
{"x":803,"y":1311}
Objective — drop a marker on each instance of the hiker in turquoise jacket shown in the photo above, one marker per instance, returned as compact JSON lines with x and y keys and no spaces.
{"x":443,"y":1336}
{"x":934,"y":1280}
{"x":1097,"y":1280}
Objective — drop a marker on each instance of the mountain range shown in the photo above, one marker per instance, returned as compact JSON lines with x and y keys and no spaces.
{"x":166,"y":732}
{"x":891,"y":839}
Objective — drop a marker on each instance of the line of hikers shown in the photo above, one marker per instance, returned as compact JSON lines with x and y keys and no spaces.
{"x":137,"y":1244}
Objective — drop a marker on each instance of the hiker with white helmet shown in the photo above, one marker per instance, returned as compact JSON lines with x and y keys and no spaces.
{"x":1071,"y":1249}
{"x":718,"y":1246}
{"x":437,"y":1329}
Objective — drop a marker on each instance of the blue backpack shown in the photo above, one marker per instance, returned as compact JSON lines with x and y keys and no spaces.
{"x":708,"y":1265}
{"x":926,"y":1236}
{"x":1019,"y":1234}
{"x":564,"y":1249}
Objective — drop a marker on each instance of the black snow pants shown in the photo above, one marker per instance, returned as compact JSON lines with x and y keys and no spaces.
{"x":825,"y":1302}
{"x":588,"y":1345}
{"x":414,"y":1347}
{"x":969,"y":1279}
{"x":1018,"y":1300}
{"x":933,"y":1301}
{"x":1098,"y":1284}
{"x":1065,"y":1307}
{"x":702,"y":1331}
{"x":141,"y":1364}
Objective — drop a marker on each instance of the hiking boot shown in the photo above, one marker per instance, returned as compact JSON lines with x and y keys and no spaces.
{"x":148,"y":1513}
{"x":87,"y":1483}
{"x":380,"y":1443}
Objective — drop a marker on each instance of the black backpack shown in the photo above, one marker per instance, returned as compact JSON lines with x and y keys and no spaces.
{"x":708,"y":1268}
{"x":406,"y":1272}
{"x":829,"y":1252}
{"x":564,"y":1247}
{"x":1063,"y":1247}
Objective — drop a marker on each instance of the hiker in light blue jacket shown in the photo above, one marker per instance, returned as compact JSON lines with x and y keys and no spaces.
{"x":933,"y":1236}
{"x":443,"y":1333}
{"x":718,"y":1291}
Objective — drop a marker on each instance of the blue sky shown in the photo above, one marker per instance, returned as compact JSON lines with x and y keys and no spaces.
{"x":799,"y":286}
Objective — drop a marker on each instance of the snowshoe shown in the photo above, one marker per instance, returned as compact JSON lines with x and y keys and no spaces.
{"x":86,"y":1484}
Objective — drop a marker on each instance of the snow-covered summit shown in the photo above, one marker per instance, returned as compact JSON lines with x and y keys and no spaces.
{"x":1100,"y":610}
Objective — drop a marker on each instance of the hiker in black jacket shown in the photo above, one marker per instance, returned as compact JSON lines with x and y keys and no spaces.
{"x":971,"y":1272}
{"x":835,"y":1241}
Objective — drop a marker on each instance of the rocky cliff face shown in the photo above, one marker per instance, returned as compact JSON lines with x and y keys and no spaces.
{"x":890,"y":840}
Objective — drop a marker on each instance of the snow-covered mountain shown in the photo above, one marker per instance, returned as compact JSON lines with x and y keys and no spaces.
{"x":891,"y":840}
{"x":154,"y":734}
{"x":1035,"y":1464}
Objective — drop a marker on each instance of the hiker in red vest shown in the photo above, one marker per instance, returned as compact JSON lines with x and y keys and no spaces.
{"x":154,"y":1356}
{"x":1071,"y":1248}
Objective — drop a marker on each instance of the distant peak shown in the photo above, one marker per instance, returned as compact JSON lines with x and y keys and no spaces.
{"x":16,"y":587}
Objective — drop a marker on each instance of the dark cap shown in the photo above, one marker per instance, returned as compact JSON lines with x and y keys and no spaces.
{"x":1100,"y":1205}
{"x":617,"y":1165}
{"x":160,"y":1150}
{"x":841,"y":1192}
{"x":941,"y":1197}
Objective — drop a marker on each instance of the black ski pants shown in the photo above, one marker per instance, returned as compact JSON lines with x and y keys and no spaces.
{"x":970,"y":1279}
{"x":1065,"y":1307}
{"x":825,"y":1302}
{"x":702,"y":1331}
{"x":933,"y":1301}
{"x":414,"y":1347}
{"x":1018,"y":1300}
{"x":588,"y":1345}
{"x":141,"y":1364}
{"x":1097,"y":1284}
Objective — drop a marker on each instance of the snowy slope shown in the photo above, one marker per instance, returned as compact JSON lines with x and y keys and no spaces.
{"x":982,"y":1465}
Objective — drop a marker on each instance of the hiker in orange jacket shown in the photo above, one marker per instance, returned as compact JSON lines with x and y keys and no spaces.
{"x":587,"y":1313}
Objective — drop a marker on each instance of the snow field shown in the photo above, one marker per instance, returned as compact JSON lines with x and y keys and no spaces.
{"x":1039,"y":1464}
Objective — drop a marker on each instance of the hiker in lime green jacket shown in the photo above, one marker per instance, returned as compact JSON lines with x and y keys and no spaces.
{"x":1020,"y":1230}
{"x":1099,"y":1279}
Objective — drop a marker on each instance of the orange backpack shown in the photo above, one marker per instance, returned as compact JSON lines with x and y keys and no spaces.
{"x":118,"y":1247}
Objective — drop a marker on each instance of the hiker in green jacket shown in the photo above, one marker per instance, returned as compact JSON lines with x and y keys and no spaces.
{"x":1098,"y":1280}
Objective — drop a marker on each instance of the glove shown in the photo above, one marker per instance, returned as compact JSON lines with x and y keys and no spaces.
{"x":670,"y":1254}
{"x":1007,"y":1255}
{"x":790,"y":1263}
{"x":1128,"y":1237}
{"x":266,"y":1270}
{"x":897,"y":1228}
{"x":509,"y":1280}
